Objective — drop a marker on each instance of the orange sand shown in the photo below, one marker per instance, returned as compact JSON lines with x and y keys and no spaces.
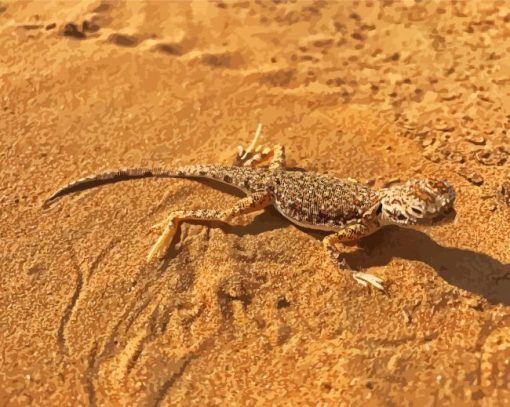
{"x":251,"y":314}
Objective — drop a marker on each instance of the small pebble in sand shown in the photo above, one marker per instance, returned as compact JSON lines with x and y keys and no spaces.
{"x":457,"y":157}
{"x":443,"y":125}
{"x":407,"y":316}
{"x":491,"y":157}
{"x":473,"y":177}
{"x":504,"y":192}
{"x":477,"y":140}
{"x":282,"y":302}
{"x":428,"y":141}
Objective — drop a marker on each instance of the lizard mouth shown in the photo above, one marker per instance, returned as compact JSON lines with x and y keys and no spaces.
{"x":444,"y":217}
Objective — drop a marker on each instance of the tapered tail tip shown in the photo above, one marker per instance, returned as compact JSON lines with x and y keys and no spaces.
{"x":48,"y":202}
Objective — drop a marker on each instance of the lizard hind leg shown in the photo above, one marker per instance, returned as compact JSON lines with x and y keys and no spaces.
{"x":259,"y":155}
{"x":170,"y":226}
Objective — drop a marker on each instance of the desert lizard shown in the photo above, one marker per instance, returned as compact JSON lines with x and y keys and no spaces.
{"x":346,"y":208}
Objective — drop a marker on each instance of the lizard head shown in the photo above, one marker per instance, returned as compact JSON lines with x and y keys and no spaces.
{"x":417,"y":202}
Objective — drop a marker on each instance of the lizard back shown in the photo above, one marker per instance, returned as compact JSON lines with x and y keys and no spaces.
{"x":318,"y":201}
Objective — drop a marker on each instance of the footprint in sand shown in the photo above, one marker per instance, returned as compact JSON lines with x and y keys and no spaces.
{"x":182,"y":46}
{"x":227,"y":59}
{"x":97,"y":25}
{"x":124,"y":40}
{"x":177,"y":46}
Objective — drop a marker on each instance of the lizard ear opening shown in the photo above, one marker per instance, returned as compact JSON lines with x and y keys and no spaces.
{"x":378,"y":211}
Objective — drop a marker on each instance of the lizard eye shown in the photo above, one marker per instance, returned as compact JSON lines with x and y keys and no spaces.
{"x":416,"y":211}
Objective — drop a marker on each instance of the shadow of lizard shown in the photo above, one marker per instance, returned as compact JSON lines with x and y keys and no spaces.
{"x":472,"y":271}
{"x":476,"y":272}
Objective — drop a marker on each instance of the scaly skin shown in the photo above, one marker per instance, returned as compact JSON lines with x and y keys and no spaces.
{"x":344,"y":206}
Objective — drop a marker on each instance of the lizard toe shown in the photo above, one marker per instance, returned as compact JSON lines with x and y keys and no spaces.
{"x":158,"y":227}
{"x":159,"y":248}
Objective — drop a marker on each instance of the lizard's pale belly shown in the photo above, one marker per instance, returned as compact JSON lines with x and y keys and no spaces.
{"x":310,"y":225}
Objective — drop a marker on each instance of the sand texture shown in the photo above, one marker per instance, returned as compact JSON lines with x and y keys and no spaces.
{"x":253,"y":313}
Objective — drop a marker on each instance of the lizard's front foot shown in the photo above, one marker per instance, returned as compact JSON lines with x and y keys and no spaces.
{"x":363,"y":278}
{"x":366,"y":278}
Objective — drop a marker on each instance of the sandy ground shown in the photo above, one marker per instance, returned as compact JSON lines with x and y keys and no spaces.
{"x":254,"y":313}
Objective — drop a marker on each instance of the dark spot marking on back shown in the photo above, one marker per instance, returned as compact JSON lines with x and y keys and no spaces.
{"x":227,"y":178}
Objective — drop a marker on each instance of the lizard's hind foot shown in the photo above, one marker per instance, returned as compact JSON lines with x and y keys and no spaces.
{"x":168,"y":229}
{"x":159,"y":248}
{"x":365,"y":279}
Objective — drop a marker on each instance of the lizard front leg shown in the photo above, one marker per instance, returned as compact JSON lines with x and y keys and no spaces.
{"x":349,"y":234}
{"x":258,"y":155}
{"x":170,"y":226}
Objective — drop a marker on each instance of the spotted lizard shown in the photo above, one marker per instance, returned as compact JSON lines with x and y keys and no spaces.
{"x":348,"y":209}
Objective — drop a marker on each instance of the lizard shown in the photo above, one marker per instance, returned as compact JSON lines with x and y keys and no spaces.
{"x":346,"y":208}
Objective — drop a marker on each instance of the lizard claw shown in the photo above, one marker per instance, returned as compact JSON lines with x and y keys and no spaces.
{"x":253,"y":144}
{"x":365,"y":278}
{"x":158,"y":227}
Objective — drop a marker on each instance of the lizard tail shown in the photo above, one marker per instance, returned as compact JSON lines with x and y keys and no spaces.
{"x":108,"y":177}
